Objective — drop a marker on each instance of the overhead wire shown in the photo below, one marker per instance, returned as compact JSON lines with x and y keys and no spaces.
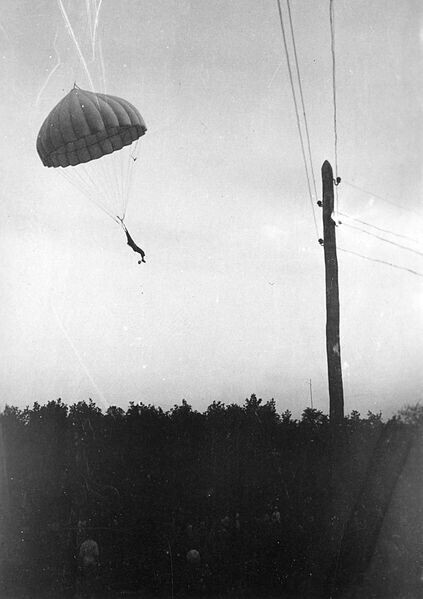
{"x":334,"y":100}
{"x":387,"y":231}
{"x":377,"y":260}
{"x":103,"y":68}
{"x":379,"y":197}
{"x":335,"y":133}
{"x":97,"y":8}
{"x":78,"y":355}
{"x":75,"y":41}
{"x":89,"y":17}
{"x":398,"y":245}
{"x":300,"y":87}
{"x":51,"y":73}
{"x":291,"y":79}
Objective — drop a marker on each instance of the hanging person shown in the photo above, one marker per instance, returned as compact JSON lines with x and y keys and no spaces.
{"x":134,"y":246}
{"x":131,"y":242}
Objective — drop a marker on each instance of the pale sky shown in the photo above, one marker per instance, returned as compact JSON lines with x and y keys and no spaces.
{"x":231,"y":300}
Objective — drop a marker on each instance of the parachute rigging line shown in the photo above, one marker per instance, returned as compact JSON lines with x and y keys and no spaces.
{"x":288,"y":62}
{"x":128,"y":177}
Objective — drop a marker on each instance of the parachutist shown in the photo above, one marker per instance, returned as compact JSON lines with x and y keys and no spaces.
{"x":134,"y":246}
{"x":131,"y":242}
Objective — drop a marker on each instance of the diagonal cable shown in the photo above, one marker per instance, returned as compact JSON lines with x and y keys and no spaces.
{"x":410,"y":270}
{"x":302,"y":99}
{"x":297,"y":115}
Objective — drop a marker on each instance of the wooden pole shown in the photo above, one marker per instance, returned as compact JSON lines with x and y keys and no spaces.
{"x":311,"y":393}
{"x":333,"y":348}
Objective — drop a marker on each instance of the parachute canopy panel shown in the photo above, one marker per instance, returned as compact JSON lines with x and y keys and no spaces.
{"x":85,"y":126}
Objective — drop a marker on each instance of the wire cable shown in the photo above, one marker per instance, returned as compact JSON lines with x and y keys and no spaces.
{"x":335,"y":118}
{"x":51,"y":73}
{"x":387,"y":231}
{"x":297,"y":114}
{"x":378,"y":197}
{"x":97,"y":8}
{"x":414,"y":272}
{"x":398,"y":245}
{"x":302,"y":99}
{"x":75,"y":41}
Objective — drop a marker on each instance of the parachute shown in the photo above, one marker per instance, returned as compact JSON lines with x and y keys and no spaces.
{"x":97,"y":136}
{"x":85,"y":126}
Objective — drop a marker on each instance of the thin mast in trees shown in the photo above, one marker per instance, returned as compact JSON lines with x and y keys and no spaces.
{"x":333,"y":348}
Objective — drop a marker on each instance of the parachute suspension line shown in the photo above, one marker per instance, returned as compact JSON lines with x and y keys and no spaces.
{"x":110,"y":180}
{"x":75,"y":41}
{"x":116,"y":182}
{"x":97,"y":183}
{"x":108,"y":170}
{"x":302,"y":100}
{"x":133,"y":157}
{"x":294,"y":97}
{"x":122,"y":224}
{"x":126,"y":173}
{"x":122,"y":164}
{"x":335,"y":124}
{"x":82,"y":180}
{"x":106,"y":166}
{"x":76,"y":179}
{"x":78,"y":182}
{"x":123,"y":157}
{"x":81,"y":186}
{"x":50,"y":75}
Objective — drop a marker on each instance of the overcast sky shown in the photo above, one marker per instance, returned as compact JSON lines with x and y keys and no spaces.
{"x":231,"y":300}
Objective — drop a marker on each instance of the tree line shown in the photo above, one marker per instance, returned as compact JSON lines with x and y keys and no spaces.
{"x":238,"y":497}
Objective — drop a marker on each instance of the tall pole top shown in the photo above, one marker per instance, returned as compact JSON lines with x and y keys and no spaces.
{"x":327,"y":169}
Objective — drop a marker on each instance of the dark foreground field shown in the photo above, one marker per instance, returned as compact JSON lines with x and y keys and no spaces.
{"x":271,"y":506}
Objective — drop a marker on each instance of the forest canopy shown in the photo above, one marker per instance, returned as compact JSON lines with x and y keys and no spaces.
{"x":246,"y":487}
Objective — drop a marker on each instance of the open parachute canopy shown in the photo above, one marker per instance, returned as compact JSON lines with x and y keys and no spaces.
{"x":85,"y":126}
{"x":81,"y":129}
